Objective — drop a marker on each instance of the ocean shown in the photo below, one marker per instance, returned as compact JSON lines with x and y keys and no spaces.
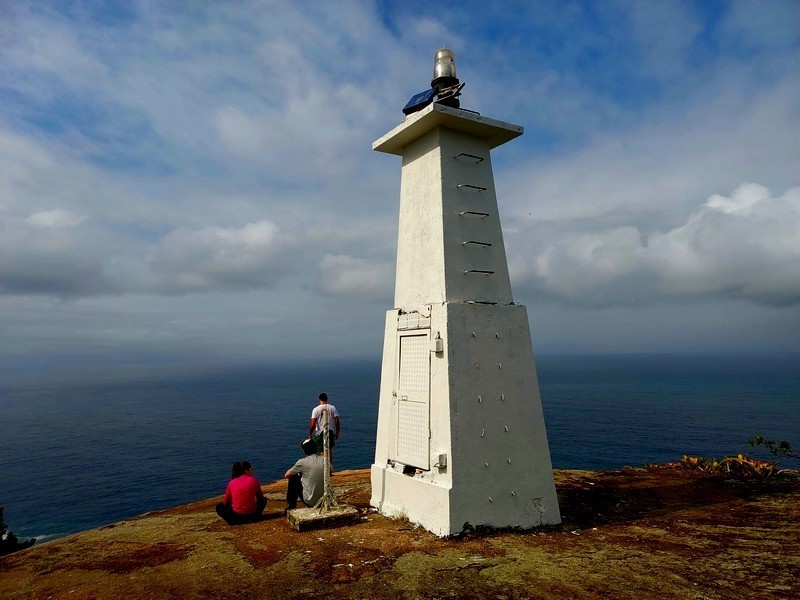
{"x":80,"y":448}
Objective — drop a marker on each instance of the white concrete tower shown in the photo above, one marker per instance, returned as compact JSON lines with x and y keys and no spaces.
{"x":461,"y":437}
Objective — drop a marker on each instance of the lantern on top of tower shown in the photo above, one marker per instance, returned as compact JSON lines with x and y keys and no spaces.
{"x":445,"y":86}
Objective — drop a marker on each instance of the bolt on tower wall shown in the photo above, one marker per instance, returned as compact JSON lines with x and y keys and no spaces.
{"x":461,"y":436}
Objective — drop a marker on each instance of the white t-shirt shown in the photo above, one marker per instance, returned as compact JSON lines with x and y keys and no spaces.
{"x":317,"y":414}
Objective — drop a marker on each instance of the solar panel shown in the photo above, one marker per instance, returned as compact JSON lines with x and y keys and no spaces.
{"x":419,"y":101}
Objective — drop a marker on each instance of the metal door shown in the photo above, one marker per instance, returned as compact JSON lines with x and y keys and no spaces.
{"x":413,"y":400}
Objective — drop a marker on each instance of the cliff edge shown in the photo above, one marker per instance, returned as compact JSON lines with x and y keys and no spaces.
{"x":626,"y":534}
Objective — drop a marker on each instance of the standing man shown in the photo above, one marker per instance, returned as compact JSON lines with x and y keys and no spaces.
{"x":306,"y":478}
{"x":315,"y":430}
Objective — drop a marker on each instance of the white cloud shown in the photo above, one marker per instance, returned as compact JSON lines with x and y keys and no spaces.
{"x":745,"y":246}
{"x":745,"y":197}
{"x":432,"y":28}
{"x":45,"y":45}
{"x":240,"y":133}
{"x":754,"y":27}
{"x":249,"y":257}
{"x":670,"y":161}
{"x":665,"y":36}
{"x":54,"y":219}
{"x":341,"y":275}
{"x":575,"y":265}
{"x":45,"y":254}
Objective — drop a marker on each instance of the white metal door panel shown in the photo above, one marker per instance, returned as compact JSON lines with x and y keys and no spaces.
{"x":413,"y":400}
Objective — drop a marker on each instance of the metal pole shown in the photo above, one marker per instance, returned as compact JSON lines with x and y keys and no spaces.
{"x":328,"y":499}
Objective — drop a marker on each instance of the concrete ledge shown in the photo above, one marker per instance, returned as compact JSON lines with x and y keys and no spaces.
{"x":305,"y":519}
{"x":437,"y":115}
{"x":422,"y":502}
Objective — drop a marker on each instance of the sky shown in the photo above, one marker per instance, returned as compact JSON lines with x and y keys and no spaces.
{"x":194,"y":181}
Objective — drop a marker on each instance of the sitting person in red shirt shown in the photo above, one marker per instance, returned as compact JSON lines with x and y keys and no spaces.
{"x":244,"y":501}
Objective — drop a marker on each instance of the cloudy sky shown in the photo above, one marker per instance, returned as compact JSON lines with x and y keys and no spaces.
{"x":194,"y":181}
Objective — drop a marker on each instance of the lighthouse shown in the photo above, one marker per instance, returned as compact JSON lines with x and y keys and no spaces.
{"x":461,"y":438}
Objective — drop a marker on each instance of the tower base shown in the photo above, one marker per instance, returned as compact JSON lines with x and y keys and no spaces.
{"x":461,"y":435}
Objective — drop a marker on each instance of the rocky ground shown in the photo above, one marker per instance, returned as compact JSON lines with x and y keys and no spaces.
{"x":626,"y":534}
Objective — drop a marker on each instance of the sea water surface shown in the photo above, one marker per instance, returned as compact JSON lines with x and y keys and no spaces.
{"x":81,"y":448}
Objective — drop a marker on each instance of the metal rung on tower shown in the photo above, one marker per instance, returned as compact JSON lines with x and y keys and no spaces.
{"x":477,"y":159}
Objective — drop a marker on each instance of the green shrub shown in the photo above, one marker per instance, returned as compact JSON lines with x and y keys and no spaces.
{"x":8,"y":541}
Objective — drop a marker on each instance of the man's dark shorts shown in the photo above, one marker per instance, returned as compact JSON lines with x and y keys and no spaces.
{"x":320,"y":442}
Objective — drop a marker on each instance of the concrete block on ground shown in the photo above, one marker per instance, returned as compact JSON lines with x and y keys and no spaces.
{"x":305,"y":519}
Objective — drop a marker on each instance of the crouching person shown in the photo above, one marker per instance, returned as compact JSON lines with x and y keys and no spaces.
{"x":306,"y":478}
{"x":244,"y":502}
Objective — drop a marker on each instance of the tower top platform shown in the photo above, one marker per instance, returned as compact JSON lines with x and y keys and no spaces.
{"x":437,"y":115}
